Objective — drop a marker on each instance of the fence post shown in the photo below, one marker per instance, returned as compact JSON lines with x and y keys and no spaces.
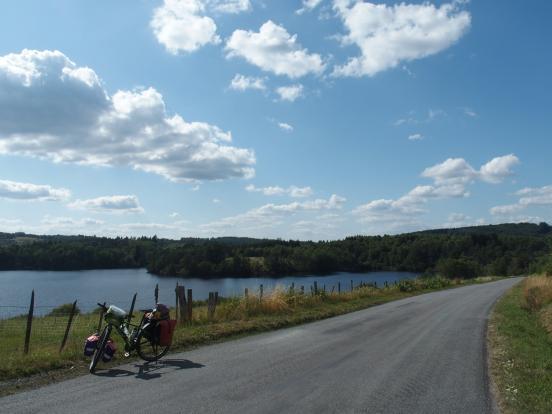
{"x":246,"y":293}
{"x":29,"y":324}
{"x":101,"y":319}
{"x":339,"y":288}
{"x":352,"y":286}
{"x":156,"y":293}
{"x":302,"y":289}
{"x":176,"y":302}
{"x":189,"y":303}
{"x":71,"y":315}
{"x":315,"y":287}
{"x":261,"y":292}
{"x":211,"y":304}
{"x":181,"y":294}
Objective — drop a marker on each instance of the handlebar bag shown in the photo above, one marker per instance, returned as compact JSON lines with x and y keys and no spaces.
{"x":91,"y":344}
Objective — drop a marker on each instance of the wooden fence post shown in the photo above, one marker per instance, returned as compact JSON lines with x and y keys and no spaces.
{"x":246,"y":293}
{"x":339,"y":288}
{"x":68,"y":328}
{"x":156,"y":293}
{"x":302,"y":289}
{"x":101,"y":319}
{"x":29,"y":324}
{"x":315,"y":287}
{"x":352,"y":286}
{"x":176,"y":302}
{"x":190,"y":302}
{"x":181,"y":294}
{"x":212,"y":304}
{"x":261,"y":292}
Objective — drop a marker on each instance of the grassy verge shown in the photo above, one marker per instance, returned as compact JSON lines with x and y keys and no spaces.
{"x":521,"y":347}
{"x":234,"y":317}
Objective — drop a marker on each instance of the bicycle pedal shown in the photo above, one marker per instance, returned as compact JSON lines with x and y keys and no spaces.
{"x":127,"y":354}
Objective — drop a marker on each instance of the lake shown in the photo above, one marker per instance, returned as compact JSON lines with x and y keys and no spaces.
{"x":117,"y":287}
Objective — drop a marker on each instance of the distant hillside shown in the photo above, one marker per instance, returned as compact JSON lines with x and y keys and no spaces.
{"x":512,"y":229}
{"x":504,"y":249}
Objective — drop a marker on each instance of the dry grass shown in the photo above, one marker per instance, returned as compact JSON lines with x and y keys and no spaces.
{"x":520,"y":350}
{"x":537,"y":292}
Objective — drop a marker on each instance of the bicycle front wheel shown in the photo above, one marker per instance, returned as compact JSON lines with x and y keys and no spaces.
{"x":147,"y":347}
{"x":102,"y":342}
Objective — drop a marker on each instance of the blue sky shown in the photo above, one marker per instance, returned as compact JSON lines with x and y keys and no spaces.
{"x":293,"y":119}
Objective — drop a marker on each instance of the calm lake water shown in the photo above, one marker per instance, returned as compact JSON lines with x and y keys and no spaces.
{"x":117,"y":287}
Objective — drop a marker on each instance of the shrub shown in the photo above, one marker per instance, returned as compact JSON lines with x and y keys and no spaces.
{"x":64,"y":310}
{"x":537,"y":292}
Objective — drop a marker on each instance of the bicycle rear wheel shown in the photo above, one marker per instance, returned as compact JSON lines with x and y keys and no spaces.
{"x":102,"y":342}
{"x":147,"y":347}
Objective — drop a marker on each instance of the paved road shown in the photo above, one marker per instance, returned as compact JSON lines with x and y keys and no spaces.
{"x":424,"y":354}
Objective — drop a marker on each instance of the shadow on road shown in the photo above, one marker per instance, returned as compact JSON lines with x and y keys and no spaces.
{"x":151,"y":370}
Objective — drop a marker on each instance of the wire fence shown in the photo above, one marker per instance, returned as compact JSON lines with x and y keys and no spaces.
{"x":46,"y":332}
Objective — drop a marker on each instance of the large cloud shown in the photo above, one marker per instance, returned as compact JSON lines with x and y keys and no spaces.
{"x":450,"y":180}
{"x":274,"y":50}
{"x":457,"y":170}
{"x":388,"y":35}
{"x":52,"y":109}
{"x":25,"y":191}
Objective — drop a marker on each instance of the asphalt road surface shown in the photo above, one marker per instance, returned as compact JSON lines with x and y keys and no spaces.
{"x":424,"y":354}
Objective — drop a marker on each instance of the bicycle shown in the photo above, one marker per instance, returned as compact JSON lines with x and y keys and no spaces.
{"x":141,"y":338}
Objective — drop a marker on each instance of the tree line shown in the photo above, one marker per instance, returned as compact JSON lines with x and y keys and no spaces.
{"x":509,"y":249}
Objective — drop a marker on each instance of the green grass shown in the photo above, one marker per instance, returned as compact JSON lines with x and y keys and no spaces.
{"x":521,"y":356}
{"x":234,"y":317}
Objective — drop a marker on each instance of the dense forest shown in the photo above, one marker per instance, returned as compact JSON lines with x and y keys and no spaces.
{"x":506,"y":249}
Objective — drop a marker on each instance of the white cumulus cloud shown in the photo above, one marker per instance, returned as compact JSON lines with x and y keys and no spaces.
{"x":26,"y":191}
{"x":450,"y":180}
{"x":243,"y":83}
{"x":269,"y":216}
{"x":290,"y":93}
{"x":390,"y":34}
{"x":415,"y":137}
{"x":180,"y":26}
{"x":52,"y":109}
{"x":110,"y":204}
{"x":458,"y":170}
{"x":274,"y":50}
{"x":528,"y":197}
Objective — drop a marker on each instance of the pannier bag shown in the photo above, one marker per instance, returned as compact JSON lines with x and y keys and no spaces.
{"x":109,"y":351}
{"x":90,"y":344}
{"x":166,"y":328}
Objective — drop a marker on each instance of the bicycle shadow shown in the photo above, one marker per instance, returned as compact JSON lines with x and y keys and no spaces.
{"x":151,"y":370}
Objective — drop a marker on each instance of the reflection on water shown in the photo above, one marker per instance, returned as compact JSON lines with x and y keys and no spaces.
{"x":117,"y":287}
